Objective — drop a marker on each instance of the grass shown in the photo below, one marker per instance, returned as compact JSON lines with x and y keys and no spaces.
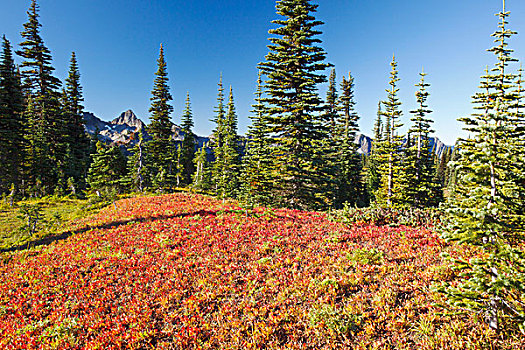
{"x":55,"y":213}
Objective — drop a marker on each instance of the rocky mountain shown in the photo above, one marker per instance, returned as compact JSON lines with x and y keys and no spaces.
{"x":124,"y":131}
{"x":365,"y":144}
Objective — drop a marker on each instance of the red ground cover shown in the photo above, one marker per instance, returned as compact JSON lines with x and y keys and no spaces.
{"x":186,"y":271}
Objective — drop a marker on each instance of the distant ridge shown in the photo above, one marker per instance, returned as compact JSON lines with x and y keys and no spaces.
{"x":124,"y":131}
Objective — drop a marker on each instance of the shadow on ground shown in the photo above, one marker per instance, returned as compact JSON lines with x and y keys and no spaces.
{"x":55,"y":238}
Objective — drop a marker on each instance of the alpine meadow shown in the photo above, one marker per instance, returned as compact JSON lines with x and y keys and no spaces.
{"x":300,"y":233}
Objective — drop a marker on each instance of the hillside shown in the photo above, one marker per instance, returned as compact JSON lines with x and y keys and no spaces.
{"x":185,"y":271}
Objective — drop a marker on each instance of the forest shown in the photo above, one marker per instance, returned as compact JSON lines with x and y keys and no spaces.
{"x":300,"y":154}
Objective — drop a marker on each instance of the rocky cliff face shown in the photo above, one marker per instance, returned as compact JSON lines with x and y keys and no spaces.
{"x":123,"y":130}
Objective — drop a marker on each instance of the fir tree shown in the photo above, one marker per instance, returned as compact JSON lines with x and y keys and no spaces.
{"x":389,"y":150}
{"x":107,"y":170}
{"x":188,"y":144}
{"x":11,"y":123}
{"x":293,"y":67}
{"x":421,"y":189}
{"x":257,"y":168}
{"x":76,"y":137}
{"x":160,"y":147}
{"x":202,"y":175}
{"x":349,"y":169}
{"x":227,"y":161}
{"x":45,"y":134}
{"x":486,"y":208}
{"x":218,"y":135}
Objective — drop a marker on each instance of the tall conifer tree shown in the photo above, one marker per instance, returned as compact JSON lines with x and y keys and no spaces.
{"x":486,"y":208}
{"x":228,"y":158}
{"x":78,"y":143}
{"x":45,"y":133}
{"x":188,"y":144}
{"x":160,"y":149}
{"x":257,"y":171}
{"x":350,"y":188}
{"x":293,"y":67}
{"x":11,"y":123}
{"x":421,"y":188}
{"x":390,"y":191}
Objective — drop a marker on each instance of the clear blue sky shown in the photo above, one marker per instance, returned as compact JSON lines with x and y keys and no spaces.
{"x":117,"y":44}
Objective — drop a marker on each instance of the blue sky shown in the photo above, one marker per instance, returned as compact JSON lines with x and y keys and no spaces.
{"x":117,"y":44}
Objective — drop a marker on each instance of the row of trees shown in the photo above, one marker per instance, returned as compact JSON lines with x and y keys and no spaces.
{"x":300,"y":151}
{"x":43,"y":144}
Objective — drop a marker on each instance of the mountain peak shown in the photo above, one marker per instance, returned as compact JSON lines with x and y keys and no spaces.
{"x":129,"y":118}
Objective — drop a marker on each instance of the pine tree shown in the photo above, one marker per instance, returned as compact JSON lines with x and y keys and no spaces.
{"x":373,"y":161}
{"x":218,"y":136}
{"x":202,"y":175}
{"x":293,"y":67}
{"x":486,"y":208}
{"x":349,"y":169}
{"x":257,"y":184}
{"x":391,"y":170}
{"x":160,"y":146}
{"x":421,"y":189}
{"x":107,"y":170}
{"x":45,"y":136}
{"x":227,"y":161}
{"x":76,"y":137}
{"x":188,"y":144}
{"x":11,"y":123}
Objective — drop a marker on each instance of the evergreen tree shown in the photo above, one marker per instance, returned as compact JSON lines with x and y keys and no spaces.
{"x":76,"y":137}
{"x":391,"y":188}
{"x":218,"y":136}
{"x":486,"y":208}
{"x":202,"y":175}
{"x":349,"y":169}
{"x":107,"y":170}
{"x":257,"y":184}
{"x":45,"y":135}
{"x":160,"y":147}
{"x":421,"y":190}
{"x":188,"y":144}
{"x":294,"y":117}
{"x":227,"y":161}
{"x":11,"y":123}
{"x":373,"y":161}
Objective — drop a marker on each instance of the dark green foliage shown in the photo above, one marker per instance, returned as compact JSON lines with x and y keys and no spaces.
{"x":46,"y":147}
{"x":294,"y":116}
{"x":427,"y":217}
{"x":188,"y":144}
{"x":107,"y":170}
{"x":11,"y":123}
{"x":227,"y":156}
{"x":202,"y":175}
{"x":373,"y":161}
{"x":160,"y":148}
{"x":486,"y":207}
{"x":388,"y":149}
{"x":421,"y":189}
{"x":348,"y":161}
{"x":257,"y":173}
{"x":77,"y":141}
